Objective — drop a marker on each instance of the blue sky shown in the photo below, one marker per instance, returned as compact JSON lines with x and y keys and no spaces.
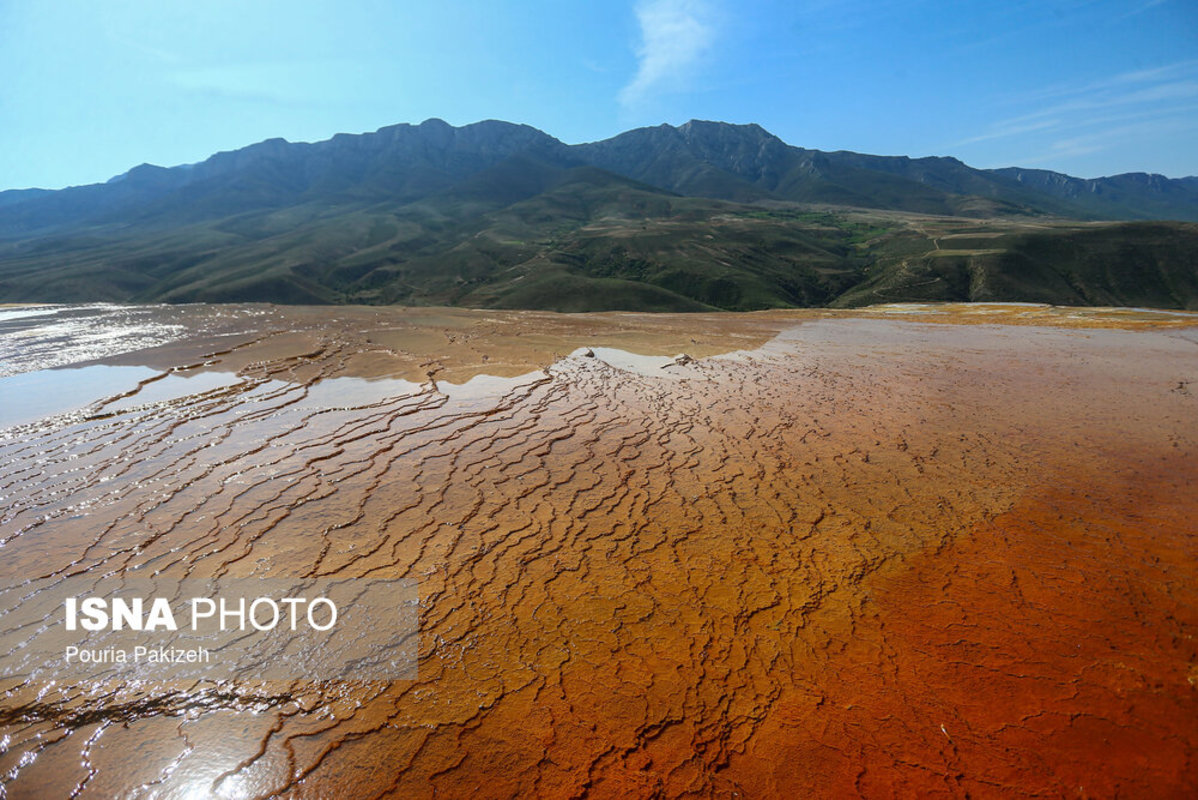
{"x":89,"y":88}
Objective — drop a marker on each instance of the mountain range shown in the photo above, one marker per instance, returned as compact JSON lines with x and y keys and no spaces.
{"x":700,"y":216}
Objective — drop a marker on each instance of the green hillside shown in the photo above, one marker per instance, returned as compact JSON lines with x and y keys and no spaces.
{"x":702,"y":216}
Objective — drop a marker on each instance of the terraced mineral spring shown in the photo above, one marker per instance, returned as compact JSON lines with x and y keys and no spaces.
{"x":914,"y":551}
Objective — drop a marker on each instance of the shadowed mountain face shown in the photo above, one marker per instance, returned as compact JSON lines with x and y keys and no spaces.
{"x":705,"y":215}
{"x":398,"y":164}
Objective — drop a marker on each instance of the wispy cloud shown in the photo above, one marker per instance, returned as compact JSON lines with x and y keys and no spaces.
{"x":1086,"y":118}
{"x":1009,"y":128}
{"x":275,"y":82}
{"x":1118,"y":136}
{"x":674,"y":35}
{"x":1107,"y":89}
{"x":1146,"y":6}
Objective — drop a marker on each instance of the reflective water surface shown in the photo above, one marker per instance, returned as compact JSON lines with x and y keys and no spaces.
{"x":31,"y":396}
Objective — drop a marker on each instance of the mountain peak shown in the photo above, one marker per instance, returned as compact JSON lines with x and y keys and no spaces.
{"x":434,"y":213}
{"x":702,"y":158}
{"x":141,"y":170}
{"x":703,"y":126}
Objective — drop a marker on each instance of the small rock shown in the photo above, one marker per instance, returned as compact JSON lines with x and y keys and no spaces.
{"x":681,"y":359}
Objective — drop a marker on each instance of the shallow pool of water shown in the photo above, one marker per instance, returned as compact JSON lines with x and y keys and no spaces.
{"x":31,"y":396}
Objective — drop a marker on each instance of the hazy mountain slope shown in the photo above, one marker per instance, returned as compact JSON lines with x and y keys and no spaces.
{"x":1134,"y":195}
{"x":587,"y":240}
{"x":400,"y":163}
{"x":403,"y":163}
{"x":744,"y":162}
{"x":1115,"y":264}
{"x":705,"y":215}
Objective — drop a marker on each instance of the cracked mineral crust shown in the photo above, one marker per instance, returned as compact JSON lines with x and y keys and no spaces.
{"x":929,"y":551}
